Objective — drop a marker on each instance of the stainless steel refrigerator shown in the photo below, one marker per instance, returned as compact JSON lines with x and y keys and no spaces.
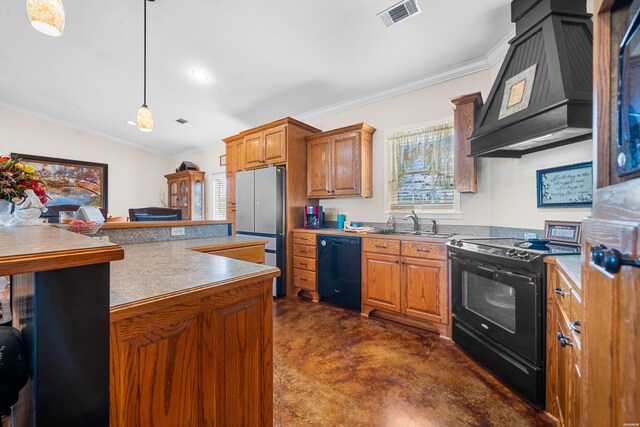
{"x":260,"y":211}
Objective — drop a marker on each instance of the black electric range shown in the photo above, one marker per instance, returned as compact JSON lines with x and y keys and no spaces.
{"x":498,"y":293}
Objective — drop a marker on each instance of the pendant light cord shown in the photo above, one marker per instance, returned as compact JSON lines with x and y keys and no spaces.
{"x":145,"y":52}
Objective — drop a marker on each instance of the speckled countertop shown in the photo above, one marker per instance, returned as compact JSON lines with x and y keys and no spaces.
{"x":572,"y":265}
{"x":153,"y":269}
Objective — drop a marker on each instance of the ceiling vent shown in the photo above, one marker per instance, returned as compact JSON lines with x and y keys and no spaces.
{"x":181,"y":121}
{"x":399,"y":11}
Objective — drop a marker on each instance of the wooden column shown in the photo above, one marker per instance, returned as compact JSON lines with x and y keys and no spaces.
{"x":465,"y":109}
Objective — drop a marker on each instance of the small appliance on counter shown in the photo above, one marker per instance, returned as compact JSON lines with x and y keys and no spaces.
{"x":313,"y":217}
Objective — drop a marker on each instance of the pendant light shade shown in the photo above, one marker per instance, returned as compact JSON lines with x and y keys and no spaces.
{"x":46,"y":16}
{"x":145,"y":119}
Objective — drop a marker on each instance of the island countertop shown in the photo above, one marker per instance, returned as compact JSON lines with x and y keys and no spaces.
{"x":153,"y":271}
{"x":39,"y":248}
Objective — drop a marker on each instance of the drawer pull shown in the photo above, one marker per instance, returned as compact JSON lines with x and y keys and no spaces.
{"x":381,"y":246}
{"x":423,"y":250}
{"x":574,"y":326}
{"x":559,"y":291}
{"x":564,"y":340}
{"x":302,"y":279}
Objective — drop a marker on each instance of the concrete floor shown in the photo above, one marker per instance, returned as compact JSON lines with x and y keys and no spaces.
{"x":335,"y":368}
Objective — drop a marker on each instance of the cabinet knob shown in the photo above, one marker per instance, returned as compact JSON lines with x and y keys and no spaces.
{"x":574,"y":326}
{"x":564,"y":340}
{"x":614,"y":260}
{"x":559,"y":292}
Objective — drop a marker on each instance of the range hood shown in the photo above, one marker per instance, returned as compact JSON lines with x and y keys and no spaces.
{"x":542,"y":97}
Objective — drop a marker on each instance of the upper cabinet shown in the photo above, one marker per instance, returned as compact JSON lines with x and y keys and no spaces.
{"x":265,"y":147}
{"x":465,"y":108}
{"x":339,"y":162}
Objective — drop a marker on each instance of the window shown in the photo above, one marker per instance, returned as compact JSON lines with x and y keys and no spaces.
{"x":421,"y":169}
{"x":219,"y":186}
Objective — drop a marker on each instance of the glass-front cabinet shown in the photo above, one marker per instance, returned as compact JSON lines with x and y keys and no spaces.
{"x":186,"y":192}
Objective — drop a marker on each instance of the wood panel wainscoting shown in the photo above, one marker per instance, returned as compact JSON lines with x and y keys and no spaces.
{"x":200,"y":358}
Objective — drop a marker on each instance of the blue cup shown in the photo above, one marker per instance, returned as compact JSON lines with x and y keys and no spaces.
{"x":341,"y":218}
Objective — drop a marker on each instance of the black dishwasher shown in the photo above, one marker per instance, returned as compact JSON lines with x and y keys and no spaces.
{"x":339,"y":270}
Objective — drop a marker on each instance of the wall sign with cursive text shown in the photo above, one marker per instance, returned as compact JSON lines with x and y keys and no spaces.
{"x":565,"y":186}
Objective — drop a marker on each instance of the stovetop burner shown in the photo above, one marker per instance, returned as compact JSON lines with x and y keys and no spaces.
{"x":514,"y":248}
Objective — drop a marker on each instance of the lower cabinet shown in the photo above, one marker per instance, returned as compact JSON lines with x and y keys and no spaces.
{"x":564,"y":376}
{"x":381,"y":281}
{"x":413,"y":288}
{"x":425,"y":287}
{"x":304,"y":265}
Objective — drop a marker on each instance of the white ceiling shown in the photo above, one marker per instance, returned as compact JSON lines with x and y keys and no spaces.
{"x":266,"y":59}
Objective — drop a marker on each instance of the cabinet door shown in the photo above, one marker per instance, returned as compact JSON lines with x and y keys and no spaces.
{"x":253,"y":150}
{"x":275,"y":145}
{"x":319,"y":168}
{"x":564,"y":362}
{"x":346,"y":172}
{"x":231,"y":191}
{"x":381,"y":281}
{"x":239,"y":156}
{"x":425,"y":290}
{"x":184,"y":198}
{"x":197,"y":208}
{"x":231,"y":157}
{"x":174,"y":195}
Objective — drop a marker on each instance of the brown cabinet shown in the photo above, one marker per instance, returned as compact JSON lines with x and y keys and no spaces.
{"x":186,"y":192}
{"x":265,"y":147}
{"x":407,"y":279}
{"x":235,"y":163}
{"x":381,"y":281}
{"x":425,"y":288}
{"x":564,"y":365}
{"x":304,"y":264}
{"x":339,"y":162}
{"x":464,"y":168}
{"x":202,"y":358}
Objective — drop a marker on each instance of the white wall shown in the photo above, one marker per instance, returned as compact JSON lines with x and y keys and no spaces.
{"x":136,"y":176}
{"x":506,"y":187}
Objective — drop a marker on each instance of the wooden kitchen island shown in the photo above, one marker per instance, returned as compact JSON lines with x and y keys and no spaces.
{"x":189,"y":332}
{"x":191,"y":336}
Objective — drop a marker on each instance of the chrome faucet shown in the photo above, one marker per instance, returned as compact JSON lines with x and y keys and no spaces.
{"x":434,"y":226}
{"x":416,"y":220}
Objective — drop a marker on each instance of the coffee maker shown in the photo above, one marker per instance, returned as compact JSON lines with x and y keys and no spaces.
{"x":313,"y":217}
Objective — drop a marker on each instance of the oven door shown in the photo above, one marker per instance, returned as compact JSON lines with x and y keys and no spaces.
{"x":502,"y":304}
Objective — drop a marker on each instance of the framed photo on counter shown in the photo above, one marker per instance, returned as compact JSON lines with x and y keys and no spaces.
{"x":562,"y":232}
{"x":71,"y":182}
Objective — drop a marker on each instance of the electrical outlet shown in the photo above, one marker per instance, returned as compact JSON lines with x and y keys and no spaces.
{"x":177,"y":231}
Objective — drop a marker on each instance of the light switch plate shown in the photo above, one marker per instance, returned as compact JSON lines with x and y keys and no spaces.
{"x":177,"y":231}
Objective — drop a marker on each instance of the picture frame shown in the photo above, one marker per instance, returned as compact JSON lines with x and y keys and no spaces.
{"x":567,"y":232}
{"x":71,"y":182}
{"x":566,"y":186}
{"x":223,"y":160}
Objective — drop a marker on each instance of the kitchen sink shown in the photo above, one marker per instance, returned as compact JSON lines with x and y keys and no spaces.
{"x":413,"y":233}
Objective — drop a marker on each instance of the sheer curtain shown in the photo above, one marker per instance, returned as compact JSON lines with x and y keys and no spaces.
{"x":421,"y":168}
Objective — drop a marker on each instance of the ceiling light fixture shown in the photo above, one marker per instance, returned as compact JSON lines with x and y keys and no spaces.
{"x":145,"y":118}
{"x":46,"y":16}
{"x":199,"y":75}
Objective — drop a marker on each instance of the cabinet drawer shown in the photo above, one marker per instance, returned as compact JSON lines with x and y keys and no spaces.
{"x":304,"y":251}
{"x":304,"y":263}
{"x":304,"y":279}
{"x":383,"y":246}
{"x":304,"y":239}
{"x":424,"y":250}
{"x":562,"y":292}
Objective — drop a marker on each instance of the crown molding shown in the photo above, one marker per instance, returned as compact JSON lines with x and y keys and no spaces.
{"x":483,"y":63}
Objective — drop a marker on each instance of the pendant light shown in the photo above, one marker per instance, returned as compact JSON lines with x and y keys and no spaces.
{"x":145,"y":118}
{"x":46,"y":16}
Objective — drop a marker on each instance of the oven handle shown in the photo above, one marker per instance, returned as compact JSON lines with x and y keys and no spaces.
{"x":529,"y":279}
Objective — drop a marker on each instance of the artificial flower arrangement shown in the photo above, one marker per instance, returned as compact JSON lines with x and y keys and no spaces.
{"x":16,"y":177}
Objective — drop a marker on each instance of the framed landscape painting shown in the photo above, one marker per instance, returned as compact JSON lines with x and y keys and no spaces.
{"x":71,"y":182}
